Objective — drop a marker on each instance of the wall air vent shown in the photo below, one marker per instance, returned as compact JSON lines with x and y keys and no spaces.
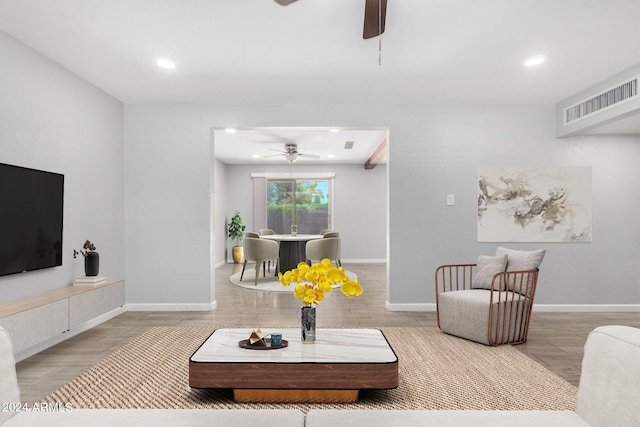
{"x":601,"y":101}
{"x":348,"y":145}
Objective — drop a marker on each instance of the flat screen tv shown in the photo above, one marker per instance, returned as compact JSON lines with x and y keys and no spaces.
{"x":31,"y":207}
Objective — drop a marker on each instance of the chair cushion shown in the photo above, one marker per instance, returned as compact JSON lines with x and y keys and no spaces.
{"x":416,"y":418}
{"x":158,"y":418}
{"x":487,"y":267}
{"x":9,"y":391}
{"x":521,"y":260}
{"x":465,"y":314}
{"x":610,"y":379}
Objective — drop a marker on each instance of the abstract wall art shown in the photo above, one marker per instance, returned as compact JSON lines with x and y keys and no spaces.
{"x":534,"y":204}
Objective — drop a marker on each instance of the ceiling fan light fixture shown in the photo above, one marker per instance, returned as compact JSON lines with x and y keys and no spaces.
{"x":291,"y":157}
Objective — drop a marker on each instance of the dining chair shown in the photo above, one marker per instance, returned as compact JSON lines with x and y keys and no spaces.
{"x":269,"y":232}
{"x":332,"y":234}
{"x":260,"y":251}
{"x":319,"y":249}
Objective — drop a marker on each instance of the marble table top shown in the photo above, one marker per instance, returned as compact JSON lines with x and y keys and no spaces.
{"x":332,"y":346}
{"x":292,"y":238}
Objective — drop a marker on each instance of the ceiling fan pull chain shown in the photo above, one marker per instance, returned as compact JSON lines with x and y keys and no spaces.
{"x":380,"y":34}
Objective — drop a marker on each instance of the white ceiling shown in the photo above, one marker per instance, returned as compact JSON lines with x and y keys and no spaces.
{"x":312,"y":51}
{"x":268,"y":144}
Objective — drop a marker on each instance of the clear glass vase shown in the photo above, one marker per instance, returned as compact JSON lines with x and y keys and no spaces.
{"x":308,"y":324}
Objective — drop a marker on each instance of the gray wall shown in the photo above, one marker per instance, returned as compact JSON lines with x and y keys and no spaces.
{"x":434,"y":150}
{"x":51,"y":119}
{"x":219,"y":207}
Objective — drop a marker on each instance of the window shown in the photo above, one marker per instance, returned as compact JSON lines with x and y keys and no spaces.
{"x":305,"y":202}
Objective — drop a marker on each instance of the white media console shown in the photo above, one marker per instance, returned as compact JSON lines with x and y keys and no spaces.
{"x":40,"y":321}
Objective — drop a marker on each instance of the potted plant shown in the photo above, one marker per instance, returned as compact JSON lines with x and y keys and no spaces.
{"x":236,"y":232}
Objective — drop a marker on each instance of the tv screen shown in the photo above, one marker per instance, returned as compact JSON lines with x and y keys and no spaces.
{"x":31,"y":207}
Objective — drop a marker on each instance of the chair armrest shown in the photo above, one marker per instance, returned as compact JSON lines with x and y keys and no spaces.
{"x":522,"y":282}
{"x":453,"y":277}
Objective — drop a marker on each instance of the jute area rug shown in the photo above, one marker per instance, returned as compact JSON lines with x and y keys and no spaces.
{"x":436,"y":371}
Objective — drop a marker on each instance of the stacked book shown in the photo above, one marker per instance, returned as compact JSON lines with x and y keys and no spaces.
{"x":89,"y":280}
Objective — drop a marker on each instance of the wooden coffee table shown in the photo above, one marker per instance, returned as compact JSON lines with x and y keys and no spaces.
{"x":333,"y":369}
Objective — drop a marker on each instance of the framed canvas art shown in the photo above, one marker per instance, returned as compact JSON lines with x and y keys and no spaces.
{"x":534,"y":204}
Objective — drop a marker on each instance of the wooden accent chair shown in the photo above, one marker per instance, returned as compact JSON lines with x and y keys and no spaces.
{"x":489,"y":302}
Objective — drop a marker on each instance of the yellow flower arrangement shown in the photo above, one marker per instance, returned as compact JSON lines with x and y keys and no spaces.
{"x":316,"y":281}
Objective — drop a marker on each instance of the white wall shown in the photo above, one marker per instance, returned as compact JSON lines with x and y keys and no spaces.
{"x":434,"y":150}
{"x":360,"y":204}
{"x":50,"y":119}
{"x":219,"y":202}
{"x":168,"y":208}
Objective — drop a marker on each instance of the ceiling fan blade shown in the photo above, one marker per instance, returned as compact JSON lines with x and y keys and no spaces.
{"x":309,"y":156}
{"x":284,"y":2}
{"x":375,"y":16}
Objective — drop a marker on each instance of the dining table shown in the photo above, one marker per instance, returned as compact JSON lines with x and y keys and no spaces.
{"x":292,"y":249}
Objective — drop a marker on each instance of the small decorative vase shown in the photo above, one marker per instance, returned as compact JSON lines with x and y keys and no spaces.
{"x":294,"y":229}
{"x":91,"y":264}
{"x":308,"y":324}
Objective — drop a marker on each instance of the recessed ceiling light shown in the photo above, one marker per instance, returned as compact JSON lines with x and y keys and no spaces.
{"x":331,"y":156}
{"x":534,"y":60}
{"x":230,"y":130}
{"x":334,"y":130}
{"x":255,"y":156}
{"x":166,"y":63}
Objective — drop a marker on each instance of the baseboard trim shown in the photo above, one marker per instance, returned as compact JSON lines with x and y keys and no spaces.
{"x":588,"y":308}
{"x":24,"y":354}
{"x":537,"y":308}
{"x":171,"y":307}
{"x":364,"y":261}
{"x":410,"y":307}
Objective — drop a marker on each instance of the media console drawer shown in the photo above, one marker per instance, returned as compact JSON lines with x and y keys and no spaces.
{"x":89,"y":305}
{"x":36,"y":319}
{"x":37,"y":325}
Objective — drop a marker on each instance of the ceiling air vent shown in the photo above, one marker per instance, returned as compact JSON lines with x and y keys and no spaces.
{"x":601,"y":101}
{"x":348,"y":145}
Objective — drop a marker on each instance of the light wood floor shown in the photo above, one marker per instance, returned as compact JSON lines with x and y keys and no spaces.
{"x":555,"y":339}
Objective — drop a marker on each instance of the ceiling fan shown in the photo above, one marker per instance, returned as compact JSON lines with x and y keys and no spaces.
{"x":375,"y":13}
{"x":291,"y":153}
